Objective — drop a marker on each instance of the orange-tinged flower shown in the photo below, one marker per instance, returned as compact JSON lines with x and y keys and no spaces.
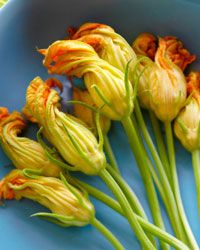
{"x":75,"y":142}
{"x":109,"y":45}
{"x":104,"y":82}
{"x":177,"y":53}
{"x":68,"y":205}
{"x":167,"y":86}
{"x":193,"y":85}
{"x":24,"y":152}
{"x":187,"y":123}
{"x":145,"y":44}
{"x":87,"y":115}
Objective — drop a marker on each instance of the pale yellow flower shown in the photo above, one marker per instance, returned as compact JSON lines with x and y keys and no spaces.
{"x":104,"y":82}
{"x":69,"y":206}
{"x":24,"y":152}
{"x":74,"y":141}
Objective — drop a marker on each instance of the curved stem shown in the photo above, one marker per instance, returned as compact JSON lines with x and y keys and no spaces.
{"x":160,"y":144}
{"x":145,"y":242}
{"x":149,"y":227}
{"x":172,"y":161}
{"x":172,"y":208}
{"x":143,"y":161}
{"x":196,"y":167}
{"x":130,"y":195}
{"x":109,"y":152}
{"x":113,"y":240}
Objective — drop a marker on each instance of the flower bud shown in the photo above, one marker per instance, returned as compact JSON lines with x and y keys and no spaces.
{"x":23,"y":152}
{"x":87,"y":115}
{"x":167,"y":86}
{"x":74,"y":141}
{"x":109,"y":45}
{"x":69,"y":206}
{"x":104,"y":82}
{"x":187,"y":123}
{"x":145,"y":45}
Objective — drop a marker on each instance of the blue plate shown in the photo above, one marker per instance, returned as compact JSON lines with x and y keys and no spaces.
{"x":25,"y":25}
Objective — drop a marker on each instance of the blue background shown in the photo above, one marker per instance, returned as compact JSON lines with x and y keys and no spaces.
{"x":27,"y":24}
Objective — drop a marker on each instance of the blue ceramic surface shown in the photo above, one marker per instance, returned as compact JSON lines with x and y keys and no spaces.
{"x":25,"y":25}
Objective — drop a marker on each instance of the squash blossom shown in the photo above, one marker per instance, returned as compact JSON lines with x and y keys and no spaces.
{"x":87,"y":115}
{"x":23,"y":152}
{"x":104,"y":82}
{"x":170,"y":49}
{"x":69,"y":206}
{"x":187,"y":123}
{"x":177,"y":53}
{"x":109,"y":45}
{"x":74,"y":141}
{"x":145,"y":45}
{"x":167,"y":86}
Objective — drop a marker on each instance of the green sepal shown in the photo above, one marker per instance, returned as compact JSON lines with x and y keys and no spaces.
{"x":83,"y":104}
{"x":49,"y":153}
{"x":75,"y":144}
{"x":99,"y":130}
{"x":182,"y":125}
{"x":71,"y":188}
{"x":126,"y":80}
{"x":56,"y":218}
{"x":101,"y":95}
{"x":32,"y":173}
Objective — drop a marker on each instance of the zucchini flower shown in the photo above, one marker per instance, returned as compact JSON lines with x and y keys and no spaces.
{"x":86,"y":114}
{"x":69,"y":206}
{"x":23,"y":152}
{"x":74,"y":141}
{"x":187,"y":123}
{"x":177,"y":53}
{"x":146,"y":45}
{"x":167,"y":86}
{"x":104,"y":82}
{"x":109,"y":45}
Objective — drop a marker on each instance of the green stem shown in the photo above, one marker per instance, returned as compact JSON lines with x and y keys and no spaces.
{"x":140,"y":234}
{"x":160,"y":144}
{"x":159,"y":186}
{"x":143,"y":161}
{"x":130,"y":195}
{"x":109,"y":152}
{"x":150,"y":165}
{"x":172,"y":161}
{"x":196,"y":167}
{"x":113,"y":240}
{"x":170,"y":201}
{"x":162,"y":235}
